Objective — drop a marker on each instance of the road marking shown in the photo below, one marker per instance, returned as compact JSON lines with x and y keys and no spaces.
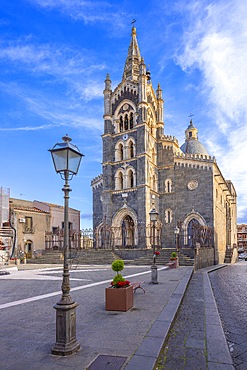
{"x":48,"y":295}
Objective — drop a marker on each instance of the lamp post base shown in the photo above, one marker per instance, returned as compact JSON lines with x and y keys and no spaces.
{"x":66,"y":342}
{"x":154,"y":275}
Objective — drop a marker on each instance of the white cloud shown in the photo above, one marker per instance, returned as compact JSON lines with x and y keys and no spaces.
{"x":215,"y":44}
{"x":56,"y":111}
{"x":78,"y":77}
{"x":49,"y":59}
{"x":100,"y":12}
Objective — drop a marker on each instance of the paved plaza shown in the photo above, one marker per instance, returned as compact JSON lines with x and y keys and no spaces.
{"x":109,"y":340}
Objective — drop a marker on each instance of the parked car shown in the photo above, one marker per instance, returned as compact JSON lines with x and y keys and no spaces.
{"x":243,"y":256}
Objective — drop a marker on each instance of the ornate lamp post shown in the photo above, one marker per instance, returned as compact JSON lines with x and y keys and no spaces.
{"x":153,"y":219}
{"x":176,"y":232}
{"x":66,"y":159}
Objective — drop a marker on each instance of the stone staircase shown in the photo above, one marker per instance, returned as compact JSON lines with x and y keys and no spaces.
{"x":161,"y":260}
{"x":53,"y":257}
{"x":105,"y":256}
{"x":228,"y":255}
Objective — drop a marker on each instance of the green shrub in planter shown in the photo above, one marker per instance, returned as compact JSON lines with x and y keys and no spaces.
{"x":119,"y":281}
{"x":173,"y":256}
{"x":117,"y":265}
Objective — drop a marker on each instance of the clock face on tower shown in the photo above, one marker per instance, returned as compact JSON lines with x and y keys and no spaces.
{"x":125,"y":136}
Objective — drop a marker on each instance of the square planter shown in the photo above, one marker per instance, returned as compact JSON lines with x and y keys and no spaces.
{"x":119,"y":299}
{"x":175,"y":264}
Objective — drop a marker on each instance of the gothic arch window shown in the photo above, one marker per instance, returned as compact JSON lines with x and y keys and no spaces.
{"x":121,"y":124}
{"x":130,"y":179}
{"x":119,"y":184}
{"x":119,"y":152}
{"x":125,"y":116}
{"x":131,"y":120}
{"x":168,"y":216}
{"x":126,"y":122}
{"x":130,"y":149}
{"x":168,"y":186}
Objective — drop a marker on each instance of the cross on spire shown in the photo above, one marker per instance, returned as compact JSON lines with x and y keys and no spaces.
{"x":133,"y":22}
{"x":191,"y":115}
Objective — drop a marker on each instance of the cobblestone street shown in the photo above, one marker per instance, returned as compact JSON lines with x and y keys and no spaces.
{"x":229,"y":286}
{"x":185,"y":348}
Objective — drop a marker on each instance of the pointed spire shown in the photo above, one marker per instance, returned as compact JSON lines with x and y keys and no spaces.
{"x":159,"y":92}
{"x":107,"y":82}
{"x":133,"y":60}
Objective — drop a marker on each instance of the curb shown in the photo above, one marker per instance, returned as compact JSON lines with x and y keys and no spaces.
{"x":148,"y":352}
{"x":219,"y":356}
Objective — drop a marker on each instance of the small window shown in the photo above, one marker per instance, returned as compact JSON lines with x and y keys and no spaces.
{"x":70,"y":225}
{"x":168,"y":216}
{"x":29,"y":222}
{"x":168,"y":186}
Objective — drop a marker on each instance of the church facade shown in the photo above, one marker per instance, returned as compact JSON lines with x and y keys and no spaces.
{"x":143,"y":169}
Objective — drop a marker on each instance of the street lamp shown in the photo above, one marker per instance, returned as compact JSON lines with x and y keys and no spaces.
{"x":66,"y":159}
{"x":176,"y":232}
{"x":153,"y":219}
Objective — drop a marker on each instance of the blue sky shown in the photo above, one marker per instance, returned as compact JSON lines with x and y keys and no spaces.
{"x":54,"y":56}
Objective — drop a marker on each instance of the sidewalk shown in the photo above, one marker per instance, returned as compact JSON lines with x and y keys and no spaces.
{"x":196,"y":340}
{"x":109,"y":340}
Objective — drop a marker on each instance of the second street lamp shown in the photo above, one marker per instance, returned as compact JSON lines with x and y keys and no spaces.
{"x":176,"y":232}
{"x":66,"y":159}
{"x":153,"y":219}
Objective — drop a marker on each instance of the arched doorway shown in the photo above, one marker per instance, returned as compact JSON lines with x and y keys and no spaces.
{"x":124,"y":228}
{"x":128,"y":240}
{"x":192,"y":226}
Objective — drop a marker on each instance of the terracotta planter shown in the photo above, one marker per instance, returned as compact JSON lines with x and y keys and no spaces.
{"x":119,"y":299}
{"x":175,"y":264}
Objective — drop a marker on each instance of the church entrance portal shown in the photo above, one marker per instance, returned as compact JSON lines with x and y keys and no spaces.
{"x":193,"y":224}
{"x":128,"y":232}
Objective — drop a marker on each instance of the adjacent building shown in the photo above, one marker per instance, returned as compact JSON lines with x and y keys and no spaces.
{"x":145,"y":169}
{"x":33,"y":226}
{"x":242,"y":237}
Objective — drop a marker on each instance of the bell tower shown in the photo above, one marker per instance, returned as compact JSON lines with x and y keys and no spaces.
{"x":133,"y":125}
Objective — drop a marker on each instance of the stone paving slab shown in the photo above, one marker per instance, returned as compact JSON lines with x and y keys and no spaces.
{"x":28,"y":327}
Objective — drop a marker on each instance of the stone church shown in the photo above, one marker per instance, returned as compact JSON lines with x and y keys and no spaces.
{"x":143,"y":169}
